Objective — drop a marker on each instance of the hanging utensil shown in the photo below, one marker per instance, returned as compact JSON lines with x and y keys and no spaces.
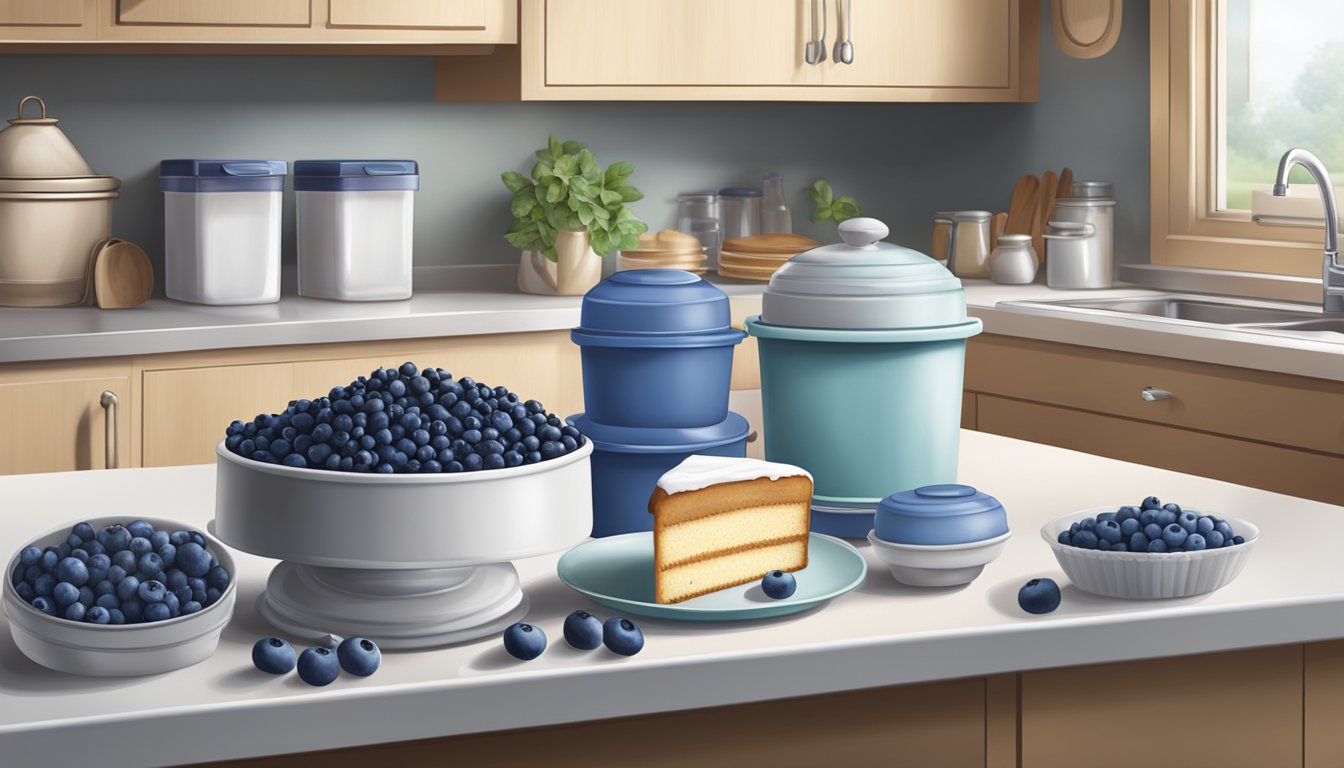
{"x":844,"y":46}
{"x":1022,"y":209}
{"x":814,"y":52}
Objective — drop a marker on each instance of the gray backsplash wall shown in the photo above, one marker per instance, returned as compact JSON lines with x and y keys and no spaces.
{"x":902,"y":161}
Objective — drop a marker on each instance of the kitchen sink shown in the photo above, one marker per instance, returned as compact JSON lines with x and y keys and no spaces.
{"x":1240,"y":314}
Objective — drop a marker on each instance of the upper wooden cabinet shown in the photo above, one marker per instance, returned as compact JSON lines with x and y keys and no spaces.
{"x":171,"y":24}
{"x":903,"y":50}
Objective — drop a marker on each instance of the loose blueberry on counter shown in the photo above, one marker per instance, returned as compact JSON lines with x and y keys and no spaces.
{"x":524,"y":641}
{"x":270,"y":654}
{"x":318,"y":666}
{"x":779,"y":585}
{"x":622,"y":636}
{"x":1039,"y":596}
{"x":359,"y":656}
{"x":583,"y":630}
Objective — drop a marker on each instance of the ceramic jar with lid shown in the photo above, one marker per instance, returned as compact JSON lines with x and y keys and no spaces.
{"x":657,"y":348}
{"x":862,"y":348}
{"x":53,"y":210}
{"x":1013,"y":261}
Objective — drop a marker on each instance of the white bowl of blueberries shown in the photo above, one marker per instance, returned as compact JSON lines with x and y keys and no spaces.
{"x":1151,"y":550}
{"x":111,"y":598}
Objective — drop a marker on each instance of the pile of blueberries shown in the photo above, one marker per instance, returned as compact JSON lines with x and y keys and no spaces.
{"x":1151,"y":527}
{"x":583,"y":631}
{"x":123,"y":574}
{"x":406,"y":421}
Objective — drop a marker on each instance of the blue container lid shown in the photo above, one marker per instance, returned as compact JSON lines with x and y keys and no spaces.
{"x":740,"y":192}
{"x":655,"y":308}
{"x":661,"y":439}
{"x":950,"y":504}
{"x":222,"y":175}
{"x":355,"y":175}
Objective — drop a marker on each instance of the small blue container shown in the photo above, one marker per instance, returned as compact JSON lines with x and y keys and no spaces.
{"x":657,"y":347}
{"x":940,"y":514}
{"x":627,"y":463}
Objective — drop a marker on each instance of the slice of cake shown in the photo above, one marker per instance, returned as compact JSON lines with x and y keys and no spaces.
{"x":720,"y":521}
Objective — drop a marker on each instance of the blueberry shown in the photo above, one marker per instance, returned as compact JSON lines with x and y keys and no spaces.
{"x":108,"y":601}
{"x":98,"y":615}
{"x":1157,"y":545}
{"x":115,"y":616}
{"x":133,"y":609}
{"x":269,"y":654}
{"x":1174,"y":535}
{"x":72,"y":570}
{"x":25,"y":591}
{"x":408,"y":370}
{"x":1152,"y":531}
{"x":1152,"y":502}
{"x":65,"y":593}
{"x":115,"y":538}
{"x":178,"y":538}
{"x":212,"y":596}
{"x":1166,"y":517}
{"x":779,"y":585}
{"x":44,"y":584}
{"x":1148,"y":517}
{"x":157,"y":612}
{"x":1204,"y":525}
{"x":193,"y":559}
{"x":190,"y":607}
{"x":1223,"y":528}
{"x":1109,"y":531}
{"x":622,"y":636}
{"x":83,"y":530}
{"x":86,"y":595}
{"x":1039,"y":596}
{"x":1085,"y":539}
{"x":358,"y":656}
{"x":126,"y":560}
{"x":151,"y":591}
{"x":472,"y":462}
{"x":1106,"y":516}
{"x":1238,"y":540}
{"x":552,"y":450}
{"x":583,"y":630}
{"x":1130,"y":526}
{"x":524,"y":641}
{"x":140,"y":529}
{"x":1104,"y":545}
{"x":1138,"y":542}
{"x":217,"y":578}
{"x":1214,"y":539}
{"x":75,"y":611}
{"x":45,"y":605}
{"x":1195,"y":542}
{"x":1126,"y":513}
{"x":29,"y":556}
{"x":149,"y":565}
{"x":1173,"y":508}
{"x":1087,"y":524}
{"x":1187,"y":520}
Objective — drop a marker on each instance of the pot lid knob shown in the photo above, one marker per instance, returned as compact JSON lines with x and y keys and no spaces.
{"x":862,"y":232}
{"x":41,"y":119}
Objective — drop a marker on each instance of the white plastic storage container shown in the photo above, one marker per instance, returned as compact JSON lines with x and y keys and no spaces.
{"x":222,"y":230}
{"x":355,"y":224}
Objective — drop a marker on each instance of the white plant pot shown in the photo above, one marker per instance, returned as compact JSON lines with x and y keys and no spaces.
{"x":577,"y":269}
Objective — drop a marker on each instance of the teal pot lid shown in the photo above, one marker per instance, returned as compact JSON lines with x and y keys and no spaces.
{"x":863,"y":283}
{"x":654,"y":301}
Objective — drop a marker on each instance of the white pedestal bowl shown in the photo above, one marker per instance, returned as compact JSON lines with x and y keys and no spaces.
{"x":409,"y":561}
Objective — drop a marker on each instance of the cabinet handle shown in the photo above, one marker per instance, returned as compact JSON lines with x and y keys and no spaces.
{"x":844,"y":46}
{"x":814,"y":52}
{"x":109,"y":402}
{"x":1153,"y":394}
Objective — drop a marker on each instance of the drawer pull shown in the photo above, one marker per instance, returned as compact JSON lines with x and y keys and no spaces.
{"x":1153,"y":394}
{"x":109,"y":402}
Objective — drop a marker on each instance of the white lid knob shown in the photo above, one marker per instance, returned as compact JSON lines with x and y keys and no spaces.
{"x":862,"y":232}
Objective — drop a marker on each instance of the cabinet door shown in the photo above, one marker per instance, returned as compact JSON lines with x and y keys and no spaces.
{"x":231,"y":13}
{"x":185,"y":411}
{"x":1222,"y":709}
{"x":413,"y":14}
{"x":57,"y":426}
{"x":922,"y":44}
{"x":1323,"y":669}
{"x":29,"y":20}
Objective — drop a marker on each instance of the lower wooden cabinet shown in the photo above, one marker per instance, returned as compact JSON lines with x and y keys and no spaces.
{"x":186,"y":410}
{"x":1323,"y":705}
{"x":54,"y":420}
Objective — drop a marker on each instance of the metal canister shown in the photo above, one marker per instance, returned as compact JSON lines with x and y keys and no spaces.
{"x":1080,"y":240}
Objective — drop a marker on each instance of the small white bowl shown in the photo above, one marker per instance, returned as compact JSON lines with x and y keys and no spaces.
{"x":122,"y":650}
{"x":1149,"y":575}
{"x":942,"y":565}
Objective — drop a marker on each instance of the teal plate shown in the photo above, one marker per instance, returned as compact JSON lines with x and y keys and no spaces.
{"x":617,"y":572}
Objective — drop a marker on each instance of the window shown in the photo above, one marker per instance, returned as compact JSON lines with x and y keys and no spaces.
{"x":1235,"y":84}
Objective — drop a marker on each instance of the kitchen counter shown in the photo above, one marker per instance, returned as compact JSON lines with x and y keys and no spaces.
{"x":457,"y":301}
{"x":881,"y":634}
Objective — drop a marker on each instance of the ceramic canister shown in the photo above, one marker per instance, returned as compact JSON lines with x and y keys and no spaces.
{"x":657,"y":348}
{"x":862,"y":348}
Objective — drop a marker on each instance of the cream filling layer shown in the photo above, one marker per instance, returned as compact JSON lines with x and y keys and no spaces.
{"x":724,"y":571}
{"x":730,"y":530}
{"x":699,"y":471}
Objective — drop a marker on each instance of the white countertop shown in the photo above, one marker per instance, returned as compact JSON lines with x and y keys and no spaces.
{"x":881,"y":634}
{"x":454,"y":301}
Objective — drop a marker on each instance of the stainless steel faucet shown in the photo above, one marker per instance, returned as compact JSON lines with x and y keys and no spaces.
{"x":1332,"y":300}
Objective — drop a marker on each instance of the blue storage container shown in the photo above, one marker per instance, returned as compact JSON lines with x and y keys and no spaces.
{"x":657,"y":348}
{"x":939,"y":515}
{"x":627,"y":463}
{"x":884,"y":328}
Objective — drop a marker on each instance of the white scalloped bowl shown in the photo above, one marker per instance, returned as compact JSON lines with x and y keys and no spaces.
{"x":122,"y":650}
{"x":1150,"y":575}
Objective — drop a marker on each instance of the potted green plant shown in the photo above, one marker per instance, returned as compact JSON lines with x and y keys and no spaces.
{"x":829,"y":207}
{"x":567,"y":215}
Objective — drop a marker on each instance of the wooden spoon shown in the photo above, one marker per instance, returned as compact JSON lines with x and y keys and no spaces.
{"x":1049,"y":186}
{"x":1022,"y":209}
{"x":1065,"y":183}
{"x":122,"y":276}
{"x":996,"y":227}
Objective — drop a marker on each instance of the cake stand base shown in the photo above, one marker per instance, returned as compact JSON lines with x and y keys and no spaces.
{"x":398,"y":609}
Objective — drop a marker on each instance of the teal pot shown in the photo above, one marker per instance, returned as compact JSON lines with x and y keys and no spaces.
{"x":862,"y":348}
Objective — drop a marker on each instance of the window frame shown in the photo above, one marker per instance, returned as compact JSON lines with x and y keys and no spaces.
{"x":1187,"y":231}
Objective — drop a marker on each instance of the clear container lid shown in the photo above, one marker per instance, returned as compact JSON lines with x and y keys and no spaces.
{"x":864,"y":283}
{"x":36,"y":156}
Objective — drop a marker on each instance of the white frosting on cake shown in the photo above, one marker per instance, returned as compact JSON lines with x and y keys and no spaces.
{"x":698,"y":472}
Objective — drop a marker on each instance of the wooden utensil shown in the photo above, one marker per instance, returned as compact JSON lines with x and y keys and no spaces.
{"x":996,"y":228}
{"x":122,"y":276}
{"x":93,"y":261}
{"x":1022,"y":209}
{"x":1049,"y":186}
{"x":1065,"y":183}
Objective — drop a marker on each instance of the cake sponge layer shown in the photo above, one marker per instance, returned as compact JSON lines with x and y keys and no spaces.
{"x":721,"y":533}
{"x":701,"y":577}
